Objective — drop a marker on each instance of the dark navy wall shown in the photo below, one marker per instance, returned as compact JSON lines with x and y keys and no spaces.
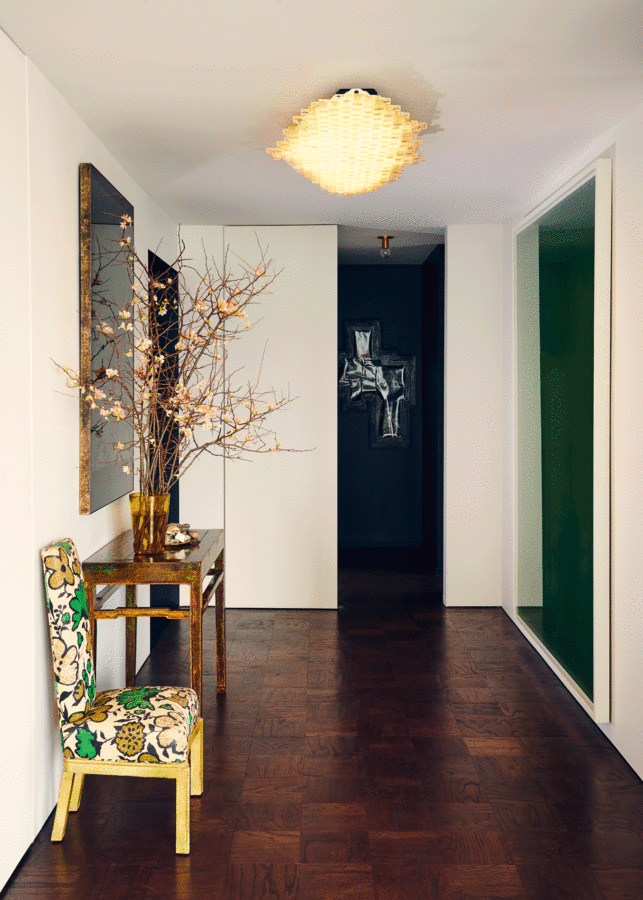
{"x":380,"y":495}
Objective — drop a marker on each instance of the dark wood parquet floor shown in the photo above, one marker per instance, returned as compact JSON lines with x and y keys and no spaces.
{"x":392,"y":750}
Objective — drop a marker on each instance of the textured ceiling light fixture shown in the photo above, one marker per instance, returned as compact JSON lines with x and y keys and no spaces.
{"x":354,"y":143}
{"x":385,"y":238}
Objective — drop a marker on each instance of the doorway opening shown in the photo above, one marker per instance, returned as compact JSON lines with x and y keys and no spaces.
{"x":390,"y":495}
{"x":166,"y":595}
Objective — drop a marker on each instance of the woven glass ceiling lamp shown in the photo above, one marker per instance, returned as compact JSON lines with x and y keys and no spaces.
{"x":354,"y":143}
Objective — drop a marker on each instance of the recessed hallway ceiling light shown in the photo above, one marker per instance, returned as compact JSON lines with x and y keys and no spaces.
{"x":354,"y":143}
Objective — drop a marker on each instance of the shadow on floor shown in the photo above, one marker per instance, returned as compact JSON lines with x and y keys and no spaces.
{"x":386,"y":575}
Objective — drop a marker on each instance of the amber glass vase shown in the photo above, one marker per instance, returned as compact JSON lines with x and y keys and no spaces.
{"x":149,"y":522}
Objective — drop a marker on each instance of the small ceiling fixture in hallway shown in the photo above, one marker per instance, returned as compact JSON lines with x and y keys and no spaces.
{"x":385,"y":238}
{"x":354,"y":143}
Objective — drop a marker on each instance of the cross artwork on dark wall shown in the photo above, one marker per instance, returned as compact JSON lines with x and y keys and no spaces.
{"x":382,"y":383}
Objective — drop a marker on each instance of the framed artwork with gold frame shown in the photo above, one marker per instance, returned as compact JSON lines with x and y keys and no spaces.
{"x":104,"y":290}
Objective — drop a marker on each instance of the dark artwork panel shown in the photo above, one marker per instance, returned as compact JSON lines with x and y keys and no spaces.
{"x":384,"y":383}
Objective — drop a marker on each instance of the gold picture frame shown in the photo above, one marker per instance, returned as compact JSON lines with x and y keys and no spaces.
{"x":104,"y":287}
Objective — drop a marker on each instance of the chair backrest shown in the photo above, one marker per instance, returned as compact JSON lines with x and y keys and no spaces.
{"x":69,"y":629}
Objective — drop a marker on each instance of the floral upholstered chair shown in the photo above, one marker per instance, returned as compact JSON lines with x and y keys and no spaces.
{"x":154,"y":732}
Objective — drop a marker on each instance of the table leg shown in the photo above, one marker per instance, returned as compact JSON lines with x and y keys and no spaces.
{"x":130,"y":636}
{"x":90,"y":595}
{"x":220,"y":630}
{"x":196,"y":640}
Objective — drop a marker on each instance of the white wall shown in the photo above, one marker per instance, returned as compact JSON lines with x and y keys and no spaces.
{"x":528,"y":461}
{"x":473,"y":486}
{"x":19,"y":607}
{"x":627,"y":444}
{"x":280,"y":508}
{"x":42,"y":143}
{"x":508,"y":437}
{"x":624,"y":145}
{"x":201,"y":488}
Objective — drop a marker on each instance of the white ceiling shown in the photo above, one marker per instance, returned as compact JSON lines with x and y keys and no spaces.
{"x":189,"y":95}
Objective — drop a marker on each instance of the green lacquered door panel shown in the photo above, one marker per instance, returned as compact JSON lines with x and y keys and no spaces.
{"x":566,"y":367}
{"x":563,"y":251}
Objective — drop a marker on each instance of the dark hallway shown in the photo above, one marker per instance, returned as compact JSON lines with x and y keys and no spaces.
{"x":390,"y":495}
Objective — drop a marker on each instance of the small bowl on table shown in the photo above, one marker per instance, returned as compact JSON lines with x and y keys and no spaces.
{"x":178,"y":536}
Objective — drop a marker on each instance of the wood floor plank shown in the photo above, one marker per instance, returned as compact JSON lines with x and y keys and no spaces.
{"x":265,"y":847}
{"x":560,"y":881}
{"x":268,"y":817}
{"x":280,"y":726}
{"x":467,"y":882}
{"x":258,"y":790}
{"x":474,"y":846}
{"x":404,"y":881}
{"x":620,"y":884}
{"x":397,"y":846}
{"x":111,"y":880}
{"x":335,"y":816}
{"x":259,"y":881}
{"x":274,"y":766}
{"x":335,"y":847}
{"x":173,"y":880}
{"x":445,"y":817}
{"x":340,"y":882}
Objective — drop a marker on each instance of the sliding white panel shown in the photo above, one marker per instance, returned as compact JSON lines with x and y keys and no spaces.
{"x":281,"y":508}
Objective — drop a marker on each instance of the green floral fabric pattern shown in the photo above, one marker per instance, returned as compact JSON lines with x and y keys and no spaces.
{"x":143,"y":724}
{"x":147,"y":725}
{"x":68,"y":629}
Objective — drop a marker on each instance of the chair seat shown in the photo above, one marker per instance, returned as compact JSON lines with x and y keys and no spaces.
{"x":142,"y":724}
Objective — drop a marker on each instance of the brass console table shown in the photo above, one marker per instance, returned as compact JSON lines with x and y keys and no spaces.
{"x":116,"y":564}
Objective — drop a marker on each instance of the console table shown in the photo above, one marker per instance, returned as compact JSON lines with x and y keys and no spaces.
{"x":116,"y":564}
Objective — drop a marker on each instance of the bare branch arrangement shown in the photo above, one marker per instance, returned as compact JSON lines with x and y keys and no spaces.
{"x":169,"y":378}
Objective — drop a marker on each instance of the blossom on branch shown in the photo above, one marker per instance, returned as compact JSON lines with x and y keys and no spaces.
{"x":171,"y":378}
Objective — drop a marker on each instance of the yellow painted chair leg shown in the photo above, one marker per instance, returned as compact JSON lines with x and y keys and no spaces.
{"x":196,"y":761}
{"x":183,"y":810}
{"x":76,"y":792}
{"x":60,"y":821}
